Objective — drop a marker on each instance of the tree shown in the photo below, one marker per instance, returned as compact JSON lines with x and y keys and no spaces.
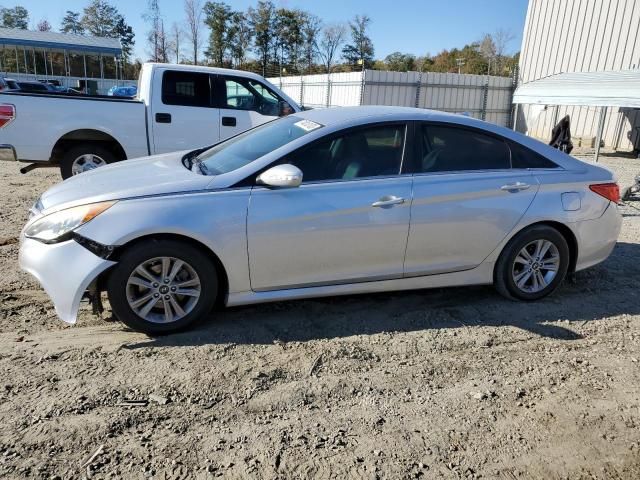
{"x":102,"y":19}
{"x":99,"y":19}
{"x":400,"y":62}
{"x":16,"y":17}
{"x":43,"y":26}
{"x":289,"y":37}
{"x":240,"y":37}
{"x":193,"y":11}
{"x":155,"y":35}
{"x":487,"y":48}
{"x":311,"y":29}
{"x":501,"y":39}
{"x":124,"y":32}
{"x":262,"y":21}
{"x":332,"y":39}
{"x":71,"y":23}
{"x":361,"y":47}
{"x":175,"y":42}
{"x":217,"y":16}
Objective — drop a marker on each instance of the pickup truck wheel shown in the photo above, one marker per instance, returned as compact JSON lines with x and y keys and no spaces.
{"x":84,"y":157}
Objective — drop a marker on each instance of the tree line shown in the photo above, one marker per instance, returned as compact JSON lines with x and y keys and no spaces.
{"x":266,"y":39}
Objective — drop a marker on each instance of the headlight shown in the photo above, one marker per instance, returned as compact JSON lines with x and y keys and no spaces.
{"x":57,"y":226}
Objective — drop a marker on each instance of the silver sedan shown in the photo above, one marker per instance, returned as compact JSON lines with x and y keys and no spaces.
{"x":323,"y":202}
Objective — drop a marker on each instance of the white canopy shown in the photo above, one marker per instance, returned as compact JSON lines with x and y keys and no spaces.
{"x":601,"y":89}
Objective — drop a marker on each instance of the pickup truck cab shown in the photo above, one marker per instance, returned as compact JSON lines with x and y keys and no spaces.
{"x":177,"y":107}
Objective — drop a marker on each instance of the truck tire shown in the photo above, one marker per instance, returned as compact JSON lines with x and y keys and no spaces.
{"x":84,"y":157}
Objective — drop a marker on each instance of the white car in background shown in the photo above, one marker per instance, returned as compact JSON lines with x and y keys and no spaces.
{"x":323,"y":202}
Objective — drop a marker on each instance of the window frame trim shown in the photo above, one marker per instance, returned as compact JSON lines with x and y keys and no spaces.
{"x":250,"y":180}
{"x":507,"y":141}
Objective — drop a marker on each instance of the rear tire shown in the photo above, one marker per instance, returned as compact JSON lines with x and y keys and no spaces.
{"x":84,"y":157}
{"x":533,"y":264}
{"x":162,"y":286}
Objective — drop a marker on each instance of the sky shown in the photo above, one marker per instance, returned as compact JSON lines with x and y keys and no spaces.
{"x":409,"y":26}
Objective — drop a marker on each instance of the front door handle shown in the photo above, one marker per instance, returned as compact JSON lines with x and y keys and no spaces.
{"x":515,"y":187}
{"x":387,"y":201}
{"x":228,"y":121}
{"x":163,"y":117}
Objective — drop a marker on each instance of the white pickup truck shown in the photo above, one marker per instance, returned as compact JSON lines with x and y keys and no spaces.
{"x":178,"y":107}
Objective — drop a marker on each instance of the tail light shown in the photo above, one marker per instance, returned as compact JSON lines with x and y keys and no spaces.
{"x":7,"y":114}
{"x":610,"y":191}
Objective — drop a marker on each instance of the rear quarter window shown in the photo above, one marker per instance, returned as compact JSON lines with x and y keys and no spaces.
{"x":190,"y":89}
{"x":523,"y":157}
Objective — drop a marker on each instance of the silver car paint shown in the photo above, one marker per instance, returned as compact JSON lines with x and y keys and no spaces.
{"x":159,"y":196}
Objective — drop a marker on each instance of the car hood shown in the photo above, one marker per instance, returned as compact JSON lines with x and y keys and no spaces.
{"x":154,"y":175}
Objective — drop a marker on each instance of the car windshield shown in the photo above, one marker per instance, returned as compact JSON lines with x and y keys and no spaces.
{"x":253,"y":144}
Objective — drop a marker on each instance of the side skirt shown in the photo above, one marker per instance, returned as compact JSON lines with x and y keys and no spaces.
{"x":481,"y":275}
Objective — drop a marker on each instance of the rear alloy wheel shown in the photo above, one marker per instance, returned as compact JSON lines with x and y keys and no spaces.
{"x":84,"y":158}
{"x":162,"y":286}
{"x":533,"y":264}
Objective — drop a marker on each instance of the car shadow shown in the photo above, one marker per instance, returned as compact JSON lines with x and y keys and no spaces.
{"x":608,"y":290}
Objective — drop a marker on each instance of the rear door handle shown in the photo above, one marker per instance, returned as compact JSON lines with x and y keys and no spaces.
{"x":163,"y":117}
{"x":515,"y":187}
{"x":387,"y":201}
{"x":229,"y":121}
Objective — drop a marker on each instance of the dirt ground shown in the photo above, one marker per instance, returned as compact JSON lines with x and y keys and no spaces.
{"x":450,"y":383}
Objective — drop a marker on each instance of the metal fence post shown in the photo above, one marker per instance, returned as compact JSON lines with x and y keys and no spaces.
{"x":514,"y":110}
{"x":485,"y":97}
{"x":302,"y":90}
{"x":362,"y":86}
{"x":418,"y":86}
{"x":328,"y":90}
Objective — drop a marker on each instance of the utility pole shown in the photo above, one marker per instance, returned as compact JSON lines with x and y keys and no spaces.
{"x":460,"y":62}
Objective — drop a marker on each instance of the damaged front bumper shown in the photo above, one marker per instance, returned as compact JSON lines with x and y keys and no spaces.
{"x":65,"y":270}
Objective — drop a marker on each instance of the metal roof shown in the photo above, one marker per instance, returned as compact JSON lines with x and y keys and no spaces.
{"x":619,"y":88}
{"x":61,"y":41}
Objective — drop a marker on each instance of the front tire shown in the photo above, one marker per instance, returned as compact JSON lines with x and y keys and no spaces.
{"x":162,"y":286}
{"x":533,"y":264}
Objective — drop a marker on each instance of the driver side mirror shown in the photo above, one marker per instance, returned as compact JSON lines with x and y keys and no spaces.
{"x":281,"y":176}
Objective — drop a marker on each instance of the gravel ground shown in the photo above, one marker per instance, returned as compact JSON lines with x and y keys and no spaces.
{"x":448,"y":383}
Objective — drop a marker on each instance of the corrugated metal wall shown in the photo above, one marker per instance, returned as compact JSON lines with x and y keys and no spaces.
{"x":484,"y":97}
{"x":580,"y":36}
{"x":323,"y":90}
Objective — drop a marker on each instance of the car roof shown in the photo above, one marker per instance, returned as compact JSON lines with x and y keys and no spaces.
{"x":342,"y":116}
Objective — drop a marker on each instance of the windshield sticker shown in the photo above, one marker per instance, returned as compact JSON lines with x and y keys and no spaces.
{"x":307,"y":125}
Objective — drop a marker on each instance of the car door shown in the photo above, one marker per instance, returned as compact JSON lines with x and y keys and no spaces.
{"x":244,"y":103}
{"x":466,"y":198}
{"x":183,"y":116}
{"x":347,"y":222}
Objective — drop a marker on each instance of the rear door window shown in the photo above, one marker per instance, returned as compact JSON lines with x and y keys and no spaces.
{"x":191,"y":89}
{"x":453,"y":149}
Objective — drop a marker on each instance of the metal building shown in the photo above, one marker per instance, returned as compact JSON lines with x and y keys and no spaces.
{"x":27,"y":54}
{"x":563,"y":36}
{"x":480,"y":96}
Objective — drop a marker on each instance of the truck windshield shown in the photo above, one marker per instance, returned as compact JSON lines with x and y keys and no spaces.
{"x":253,"y":144}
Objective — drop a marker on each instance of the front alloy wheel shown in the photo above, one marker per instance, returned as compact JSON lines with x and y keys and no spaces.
{"x":161,"y":286}
{"x":163,"y":289}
